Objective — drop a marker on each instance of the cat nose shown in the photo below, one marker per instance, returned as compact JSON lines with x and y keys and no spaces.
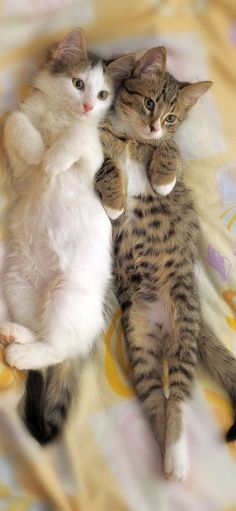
{"x":87,"y":107}
{"x":154,"y":128}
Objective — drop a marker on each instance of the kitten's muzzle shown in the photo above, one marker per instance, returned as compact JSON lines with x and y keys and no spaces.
{"x":87,"y":107}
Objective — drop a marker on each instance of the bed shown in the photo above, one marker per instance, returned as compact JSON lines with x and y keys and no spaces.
{"x":107,"y":459}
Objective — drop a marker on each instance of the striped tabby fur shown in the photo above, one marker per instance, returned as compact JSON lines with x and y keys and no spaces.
{"x":156,"y":243}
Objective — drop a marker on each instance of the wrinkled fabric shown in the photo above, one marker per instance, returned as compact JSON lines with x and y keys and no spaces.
{"x":107,"y":458}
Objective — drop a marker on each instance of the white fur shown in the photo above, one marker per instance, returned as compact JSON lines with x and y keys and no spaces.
{"x":136,"y":173}
{"x":165,"y":189}
{"x":59,"y":263}
{"x":176,"y":460}
{"x":61,"y":91}
{"x":10,"y":332}
{"x":138,"y":182}
{"x":113,"y":213}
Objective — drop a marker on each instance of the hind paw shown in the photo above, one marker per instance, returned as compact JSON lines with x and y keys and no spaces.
{"x":12,"y":332}
{"x":8,"y":333}
{"x":21,"y":356}
{"x":176,"y":462}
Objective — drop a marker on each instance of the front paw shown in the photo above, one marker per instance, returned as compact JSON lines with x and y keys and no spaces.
{"x":35,"y":152}
{"x":164,"y":189}
{"x":113,"y":214}
{"x":55,"y":163}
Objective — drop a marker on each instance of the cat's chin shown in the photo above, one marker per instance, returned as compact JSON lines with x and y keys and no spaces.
{"x":84,"y":116}
{"x":87,"y":116}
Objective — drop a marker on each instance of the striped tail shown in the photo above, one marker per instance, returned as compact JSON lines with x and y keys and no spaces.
{"x":48,"y":397}
{"x":221,"y":364}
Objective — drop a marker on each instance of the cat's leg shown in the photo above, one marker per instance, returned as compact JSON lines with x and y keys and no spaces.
{"x":13,"y":332}
{"x":20,"y":294}
{"x":164,"y":167}
{"x":109,"y":182}
{"x":182,"y":359}
{"x":34,"y":355}
{"x":21,"y":299}
{"x":176,"y":458}
{"x":65,"y":151}
{"x":144,"y":349}
{"x":71,"y":319}
{"x":22,"y":137}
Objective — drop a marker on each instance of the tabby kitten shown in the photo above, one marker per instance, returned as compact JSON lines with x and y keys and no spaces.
{"x":155,"y":248}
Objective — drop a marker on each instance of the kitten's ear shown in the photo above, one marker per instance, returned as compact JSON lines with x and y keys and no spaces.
{"x":121,"y":68}
{"x":73,"y":45}
{"x":191,"y":92}
{"x":153,"y":61}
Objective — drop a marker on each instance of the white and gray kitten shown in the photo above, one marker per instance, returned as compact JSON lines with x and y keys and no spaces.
{"x":59,"y":263}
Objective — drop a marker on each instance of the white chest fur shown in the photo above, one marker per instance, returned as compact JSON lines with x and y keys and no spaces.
{"x":136,"y":176}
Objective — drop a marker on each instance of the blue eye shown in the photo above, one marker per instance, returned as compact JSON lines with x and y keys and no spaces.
{"x":149,"y":104}
{"x":78,"y":83}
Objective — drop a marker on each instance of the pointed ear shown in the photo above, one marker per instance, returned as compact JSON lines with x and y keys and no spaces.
{"x":122,"y":67}
{"x":72,"y":45}
{"x":192,"y":92}
{"x":153,"y":61}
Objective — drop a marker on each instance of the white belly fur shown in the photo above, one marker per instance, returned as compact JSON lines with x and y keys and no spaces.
{"x":66,"y":232}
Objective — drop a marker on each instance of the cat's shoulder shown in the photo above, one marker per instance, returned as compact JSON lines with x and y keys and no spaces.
{"x":34,"y":107}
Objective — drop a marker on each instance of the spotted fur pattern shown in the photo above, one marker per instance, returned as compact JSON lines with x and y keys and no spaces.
{"x":156,"y":243}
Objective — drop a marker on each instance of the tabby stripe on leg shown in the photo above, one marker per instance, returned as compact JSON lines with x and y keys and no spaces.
{"x":145,"y":395}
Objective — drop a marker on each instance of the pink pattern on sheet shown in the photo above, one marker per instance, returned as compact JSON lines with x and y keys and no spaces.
{"x":226,"y":182}
{"x":232,"y":33}
{"x":220,"y":263}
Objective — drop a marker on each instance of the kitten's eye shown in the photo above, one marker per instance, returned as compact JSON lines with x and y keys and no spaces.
{"x":170,"y":118}
{"x":102,"y":94}
{"x":78,"y":84}
{"x":149,"y":104}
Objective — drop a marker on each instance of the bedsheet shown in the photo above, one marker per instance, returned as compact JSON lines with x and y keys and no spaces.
{"x":107,"y":459}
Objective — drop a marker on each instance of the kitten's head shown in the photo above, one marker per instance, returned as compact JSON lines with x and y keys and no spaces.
{"x":80,"y":84}
{"x":151,"y":101}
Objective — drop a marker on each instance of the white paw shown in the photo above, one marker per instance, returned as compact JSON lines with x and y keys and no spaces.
{"x":35,"y":152}
{"x":165,"y":189}
{"x":113,"y":214}
{"x":56,"y":162}
{"x":12,"y":332}
{"x":176,"y":462}
{"x":6,"y":334}
{"x":21,"y":356}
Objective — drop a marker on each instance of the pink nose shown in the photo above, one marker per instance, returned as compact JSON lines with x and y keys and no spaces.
{"x":87,"y":107}
{"x":154,"y":128}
